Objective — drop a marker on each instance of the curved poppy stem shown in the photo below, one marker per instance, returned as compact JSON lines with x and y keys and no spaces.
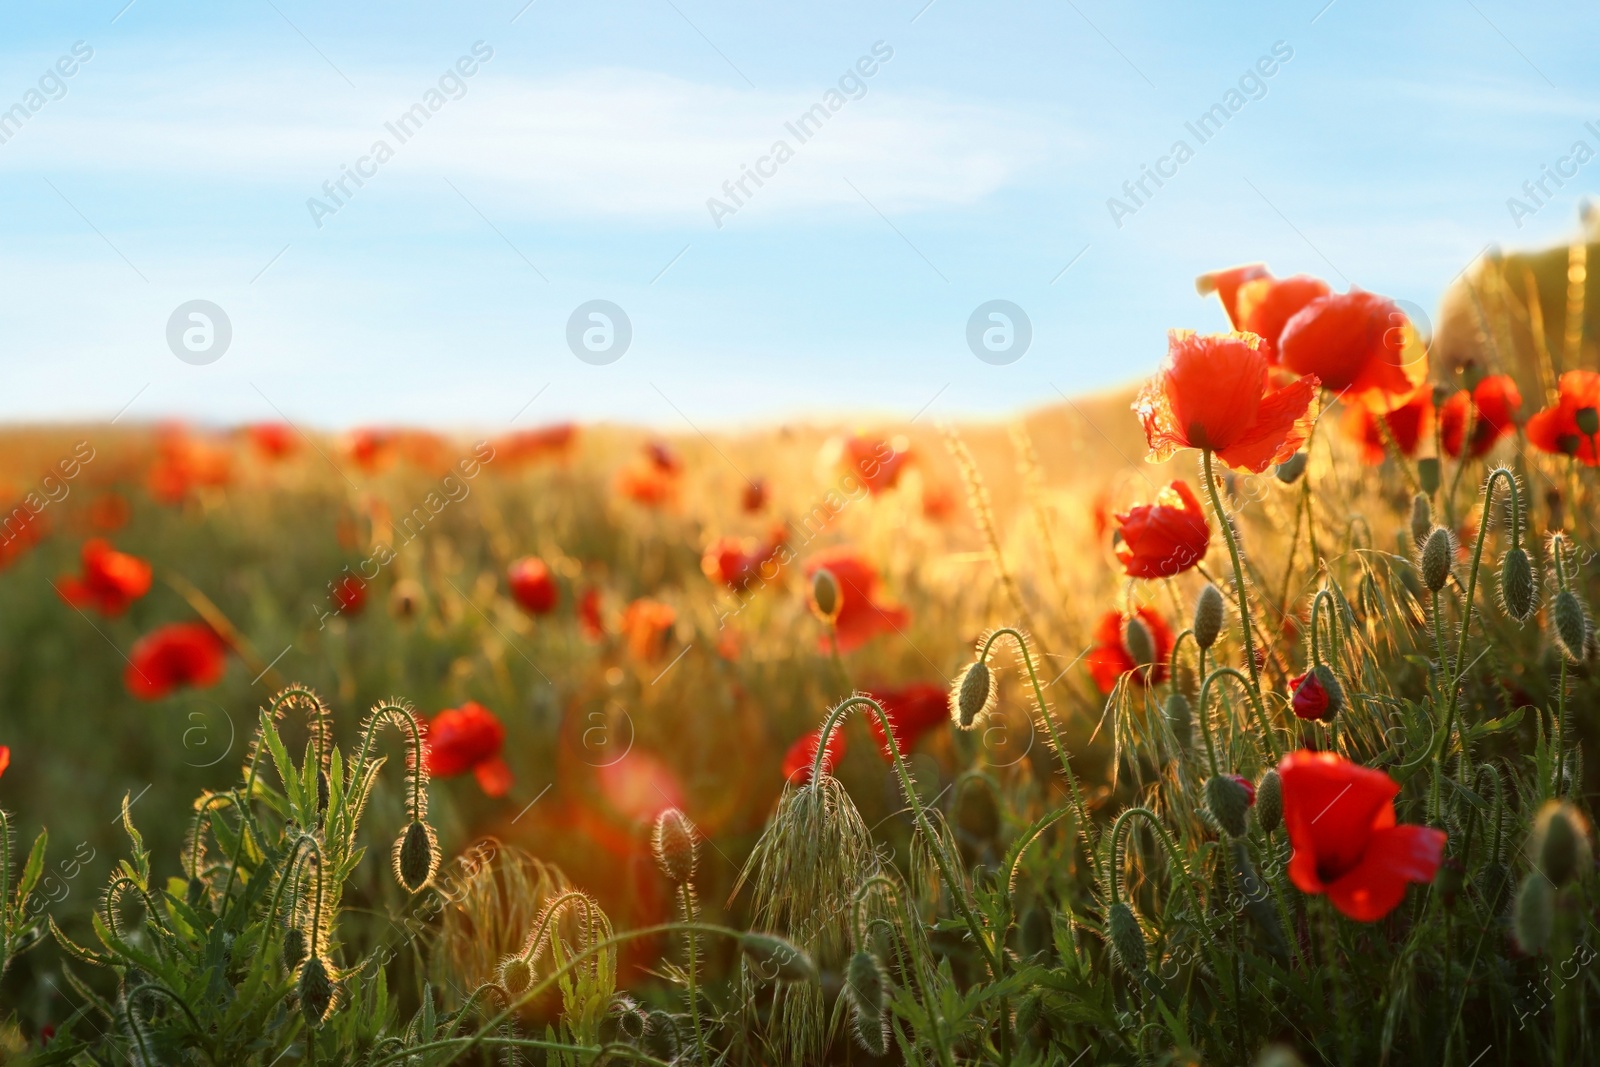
{"x":1324,"y":595}
{"x":1205,"y":715}
{"x":1172,"y":657}
{"x":1240,"y":591}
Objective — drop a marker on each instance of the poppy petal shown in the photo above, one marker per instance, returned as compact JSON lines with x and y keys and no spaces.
{"x":1282,"y":424}
{"x":1394,"y":856}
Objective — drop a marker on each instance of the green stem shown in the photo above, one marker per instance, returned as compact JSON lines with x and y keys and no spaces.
{"x":694,"y":963}
{"x":1240,"y":589}
{"x":1205,"y":716}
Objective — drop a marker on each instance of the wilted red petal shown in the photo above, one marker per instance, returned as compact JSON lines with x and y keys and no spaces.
{"x":1164,"y":538}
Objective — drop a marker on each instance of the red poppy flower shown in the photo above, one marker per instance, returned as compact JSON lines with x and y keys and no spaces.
{"x":173,"y":656}
{"x":184,"y":463}
{"x":1213,"y":394}
{"x":861,"y":615}
{"x":878,"y":463}
{"x":111,"y":580}
{"x":1258,"y":303}
{"x":1110,"y":659}
{"x":370,"y":449}
{"x":647,"y":626}
{"x":1556,"y":429}
{"x":939,"y":501}
{"x":591,"y":622}
{"x":663,"y":458}
{"x":798,"y":761}
{"x":1355,"y":344}
{"x":1165,"y":538}
{"x":5,"y":759}
{"x":1340,"y":819}
{"x":274,"y":440}
{"x":1310,"y":700}
{"x":1492,"y":408}
{"x":528,"y":446}
{"x":913,"y":710}
{"x":1408,"y":424}
{"x":736,"y":562}
{"x":109,"y":512}
{"x":20,"y":529}
{"x":1248,"y":787}
{"x":532,"y":585}
{"x":349,"y":595}
{"x":753,"y":498}
{"x":468,"y":738}
{"x":651,"y":485}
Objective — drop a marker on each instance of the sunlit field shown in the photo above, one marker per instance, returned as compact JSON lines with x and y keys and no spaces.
{"x":1242,"y":716}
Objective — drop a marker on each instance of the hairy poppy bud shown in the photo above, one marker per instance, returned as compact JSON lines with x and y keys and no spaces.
{"x":1269,"y":801}
{"x":1535,"y":914}
{"x":1517,"y":589}
{"x":1571,"y":624}
{"x":973,"y":695}
{"x":515,"y":974}
{"x":661,"y":1038}
{"x":825,"y":597}
{"x":625,"y":1023}
{"x":674,"y":845}
{"x":294,"y":948}
{"x":1180,"y":717}
{"x":1317,"y":694}
{"x":1127,"y":939}
{"x":1421,"y":518}
{"x":1228,"y":799}
{"x":1561,"y":842}
{"x":1428,"y":474}
{"x":1207,"y":616}
{"x":1436,"y":553}
{"x":867,"y":988}
{"x":315,"y":990}
{"x":1140,"y":644}
{"x":1290,"y":470}
{"x":416,"y":856}
{"x":774,"y":958}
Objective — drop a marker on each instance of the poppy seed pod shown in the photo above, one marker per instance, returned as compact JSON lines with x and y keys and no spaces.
{"x":1571,"y":624}
{"x":1561,"y":842}
{"x":1139,"y":642}
{"x":294,"y":948}
{"x":1587,"y":420}
{"x":1290,"y":470}
{"x":1436,"y":553}
{"x":866,"y":987}
{"x":416,"y":856}
{"x":1518,"y":593}
{"x":973,"y":695}
{"x":674,"y":845}
{"x":315,"y":990}
{"x":515,"y":974}
{"x":1535,"y":913}
{"x":1421,"y":518}
{"x":1228,"y":799}
{"x":1428,"y":474}
{"x":1127,"y":939}
{"x":773,"y":958}
{"x":1180,"y":718}
{"x":1207,"y":616}
{"x":1269,"y":801}
{"x":826,"y":599}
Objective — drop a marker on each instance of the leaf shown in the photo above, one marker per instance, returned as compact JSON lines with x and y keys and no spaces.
{"x":1495,"y":726}
{"x":280,"y":759}
{"x":33,"y":869}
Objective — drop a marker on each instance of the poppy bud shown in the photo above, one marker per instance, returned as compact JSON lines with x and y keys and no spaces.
{"x":866,"y":987}
{"x":1317,"y":695}
{"x":1517,"y":589}
{"x":1561,"y":842}
{"x":1229,"y":799}
{"x":674,"y":845}
{"x":294,"y":948}
{"x":1448,"y":881}
{"x":625,"y":1023}
{"x":1140,"y":644}
{"x":825,"y":598}
{"x":1207,"y":616}
{"x":661,"y":1038}
{"x":1290,"y":470}
{"x":1181,"y":719}
{"x":416,"y":856}
{"x":1572,"y":624}
{"x":1421,"y":518}
{"x":972,"y":696}
{"x":515,"y":974}
{"x":1428,"y":474}
{"x":774,"y":958}
{"x":315,"y":990}
{"x":1269,"y":801}
{"x":1436,"y":553}
{"x":1588,"y":420}
{"x":1535,"y":914}
{"x":1127,"y":939}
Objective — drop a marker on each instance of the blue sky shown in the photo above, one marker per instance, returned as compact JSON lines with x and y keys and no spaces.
{"x":576,"y":164}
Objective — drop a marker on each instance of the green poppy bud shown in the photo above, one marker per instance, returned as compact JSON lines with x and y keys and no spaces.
{"x":1518,"y":593}
{"x":867,"y":989}
{"x":1208,"y":616}
{"x":1535,"y":914}
{"x":774,"y":958}
{"x":315,"y":990}
{"x":1436,"y":553}
{"x":1571,"y":624}
{"x":1127,"y":939}
{"x":1180,"y":718}
{"x":294,"y":948}
{"x":1228,"y":799}
{"x":1428,"y":474}
{"x":1140,"y":643}
{"x":1290,"y":470}
{"x":674,"y":845}
{"x":972,"y":696}
{"x":1269,"y":801}
{"x":416,"y":856}
{"x":1560,"y":843}
{"x":825,"y":596}
{"x":1421,"y":518}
